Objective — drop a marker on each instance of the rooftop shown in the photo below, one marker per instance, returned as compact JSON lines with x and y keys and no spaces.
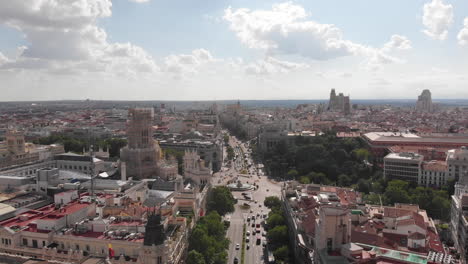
{"x":408,"y":137}
{"x":435,"y":165}
{"x":404,"y":156}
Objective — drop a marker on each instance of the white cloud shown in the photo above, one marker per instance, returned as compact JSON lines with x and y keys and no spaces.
{"x":437,"y":18}
{"x":186,"y":63}
{"x":286,"y":30}
{"x":64,"y":36}
{"x":397,"y":42}
{"x":140,"y":1}
{"x":283,"y":30}
{"x":270,"y":65}
{"x":3,"y":59}
{"x":463,"y":34}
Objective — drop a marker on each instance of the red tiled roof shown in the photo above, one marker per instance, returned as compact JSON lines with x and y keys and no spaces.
{"x":434,"y":242}
{"x":419,"y":220}
{"x":309,"y":223}
{"x":371,"y":239}
{"x":46,"y":213}
{"x":416,"y":235}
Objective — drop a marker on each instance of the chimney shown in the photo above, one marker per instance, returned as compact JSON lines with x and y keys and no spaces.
{"x":123,"y":171}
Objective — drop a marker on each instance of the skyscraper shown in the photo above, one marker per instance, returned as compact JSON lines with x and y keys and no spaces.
{"x":424,"y":103}
{"x":142,"y":152}
{"x":339,"y":103}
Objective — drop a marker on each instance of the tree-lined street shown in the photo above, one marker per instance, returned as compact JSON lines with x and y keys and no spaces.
{"x":246,"y":208}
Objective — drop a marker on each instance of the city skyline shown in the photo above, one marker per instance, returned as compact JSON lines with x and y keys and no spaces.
{"x":247,"y":50}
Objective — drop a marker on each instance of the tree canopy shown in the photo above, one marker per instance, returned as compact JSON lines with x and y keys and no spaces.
{"x":208,"y":239}
{"x":220,"y":200}
{"x":272,"y":201}
{"x":194,"y":257}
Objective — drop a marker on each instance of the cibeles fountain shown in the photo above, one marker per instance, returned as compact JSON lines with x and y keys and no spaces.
{"x":239,"y":186}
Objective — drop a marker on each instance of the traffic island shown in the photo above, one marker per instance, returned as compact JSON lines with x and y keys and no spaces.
{"x":243,"y":245}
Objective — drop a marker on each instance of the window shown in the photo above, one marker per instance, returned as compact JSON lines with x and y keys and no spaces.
{"x":25,"y":242}
{"x":34,"y":242}
{"x":43,"y":243}
{"x":87,"y":247}
{"x":159,"y":260}
{"x":330,"y":244}
{"x":77,"y":247}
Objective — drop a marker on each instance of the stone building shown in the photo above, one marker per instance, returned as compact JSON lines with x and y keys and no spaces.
{"x":424,"y":103}
{"x":142,"y":153}
{"x":14,"y":151}
{"x":339,"y":103}
{"x":195,"y":168}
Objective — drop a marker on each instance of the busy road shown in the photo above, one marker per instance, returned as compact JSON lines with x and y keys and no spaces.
{"x":250,"y":204}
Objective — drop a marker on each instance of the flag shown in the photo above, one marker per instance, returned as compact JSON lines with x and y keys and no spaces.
{"x":111,"y":251}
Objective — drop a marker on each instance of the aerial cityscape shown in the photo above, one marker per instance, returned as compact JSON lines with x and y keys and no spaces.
{"x":244,"y":132}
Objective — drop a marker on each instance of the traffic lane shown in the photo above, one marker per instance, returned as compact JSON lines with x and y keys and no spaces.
{"x":256,"y":254}
{"x":235,"y":234}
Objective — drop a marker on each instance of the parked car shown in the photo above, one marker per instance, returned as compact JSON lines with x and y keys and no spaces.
{"x":237,"y":246}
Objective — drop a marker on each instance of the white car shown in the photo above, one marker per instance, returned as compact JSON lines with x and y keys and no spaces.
{"x":237,"y":246}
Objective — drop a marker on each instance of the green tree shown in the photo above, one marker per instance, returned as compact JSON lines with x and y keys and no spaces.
{"x":272,"y":201}
{"x":344,"y":180}
{"x":220,"y":200}
{"x":397,"y":192}
{"x":292,"y":174}
{"x":275,"y":220}
{"x":304,"y":180}
{"x":194,"y":257}
{"x":214,"y":224}
{"x":377,"y":187}
{"x":199,"y":240}
{"x":362,"y":154}
{"x":363,"y":186}
{"x":277,"y":236}
{"x":318,"y":178}
{"x":230,"y":153}
{"x":281,"y":254}
{"x":422,"y":196}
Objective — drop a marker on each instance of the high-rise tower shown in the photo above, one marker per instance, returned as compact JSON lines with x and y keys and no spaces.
{"x":339,"y":103}
{"x":142,"y":152}
{"x":424,"y":103}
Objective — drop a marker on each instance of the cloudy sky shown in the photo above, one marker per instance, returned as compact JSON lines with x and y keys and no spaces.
{"x":232,"y":49}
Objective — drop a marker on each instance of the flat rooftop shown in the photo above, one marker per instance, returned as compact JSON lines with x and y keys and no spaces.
{"x":45,"y":213}
{"x":413,"y":138}
{"x":404,"y":156}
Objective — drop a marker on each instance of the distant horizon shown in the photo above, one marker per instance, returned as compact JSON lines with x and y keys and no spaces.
{"x":187,"y":51}
{"x":223,"y":100}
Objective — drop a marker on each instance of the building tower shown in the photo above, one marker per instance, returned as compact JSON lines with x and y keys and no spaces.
{"x":15,"y":142}
{"x":424,"y":103}
{"x":142,"y":152}
{"x":154,"y":250}
{"x":332,"y":102}
{"x":339,"y":103}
